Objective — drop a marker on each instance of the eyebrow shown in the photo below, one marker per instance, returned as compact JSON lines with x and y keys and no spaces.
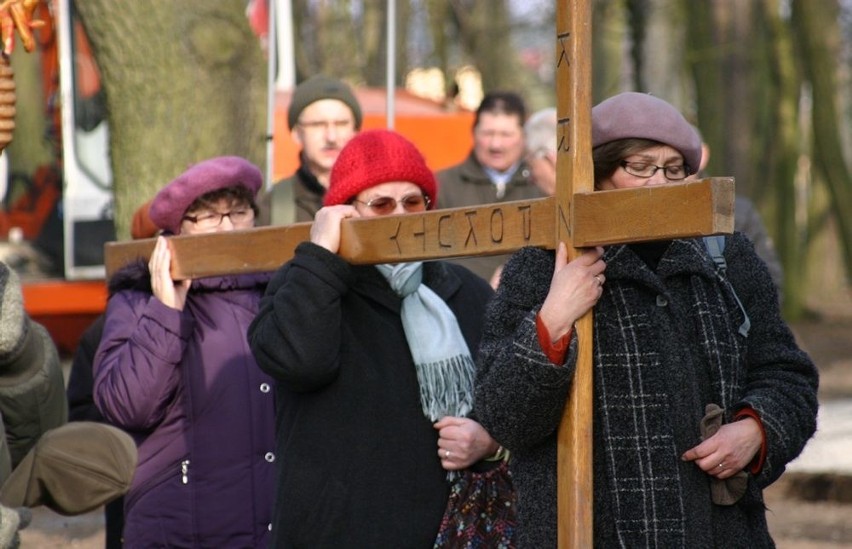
{"x":650,"y":158}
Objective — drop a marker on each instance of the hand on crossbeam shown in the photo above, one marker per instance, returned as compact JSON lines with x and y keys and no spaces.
{"x":575,"y":288}
{"x":172,"y":293}
{"x":325,"y":230}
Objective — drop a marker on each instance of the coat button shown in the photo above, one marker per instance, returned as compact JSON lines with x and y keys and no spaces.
{"x":270,"y":457}
{"x":264,"y":387}
{"x":662,"y":301}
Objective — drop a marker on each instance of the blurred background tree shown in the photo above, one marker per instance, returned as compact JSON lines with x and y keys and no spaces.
{"x":184,"y":81}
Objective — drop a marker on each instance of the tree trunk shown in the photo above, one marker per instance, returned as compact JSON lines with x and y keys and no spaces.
{"x":780,"y":158}
{"x":184,"y":81}
{"x":441,"y":26}
{"x":817,"y":32}
{"x":608,"y":29}
{"x":704,"y":63}
{"x":484,"y":32}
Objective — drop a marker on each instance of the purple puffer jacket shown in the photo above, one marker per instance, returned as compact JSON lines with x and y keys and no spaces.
{"x":186,"y":386}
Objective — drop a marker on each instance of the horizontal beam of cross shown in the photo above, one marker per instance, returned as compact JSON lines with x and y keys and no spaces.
{"x":691,"y":209}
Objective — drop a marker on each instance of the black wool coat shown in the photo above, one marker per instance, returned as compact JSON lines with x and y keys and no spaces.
{"x":666,"y":343}
{"x":359,"y":462}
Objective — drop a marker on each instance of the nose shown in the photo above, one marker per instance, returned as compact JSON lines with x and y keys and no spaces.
{"x":496,"y":143}
{"x":225,"y":219}
{"x":331,"y":133}
{"x":659,"y":178}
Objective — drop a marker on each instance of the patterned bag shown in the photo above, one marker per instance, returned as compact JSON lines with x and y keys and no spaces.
{"x":481,"y":511}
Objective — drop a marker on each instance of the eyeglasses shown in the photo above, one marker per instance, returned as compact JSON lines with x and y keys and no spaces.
{"x":644,"y":169}
{"x":320,"y":125}
{"x":211,"y":220}
{"x":384,"y":205}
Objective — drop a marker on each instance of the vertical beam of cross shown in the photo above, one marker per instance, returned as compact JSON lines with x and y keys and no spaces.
{"x":575,"y":174}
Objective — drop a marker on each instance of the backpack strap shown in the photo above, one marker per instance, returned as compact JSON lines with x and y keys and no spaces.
{"x":715,"y":245}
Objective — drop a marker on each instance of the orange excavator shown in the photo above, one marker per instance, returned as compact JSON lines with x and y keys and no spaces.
{"x":64,"y":209}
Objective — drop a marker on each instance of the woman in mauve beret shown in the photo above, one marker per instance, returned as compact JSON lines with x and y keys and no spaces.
{"x":701,"y":395}
{"x":174,"y":370}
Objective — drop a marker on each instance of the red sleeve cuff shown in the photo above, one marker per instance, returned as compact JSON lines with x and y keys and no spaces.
{"x":757,"y":463}
{"x":554,"y":350}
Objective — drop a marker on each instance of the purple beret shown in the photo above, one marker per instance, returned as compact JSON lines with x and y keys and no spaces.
{"x":171,"y":203}
{"x":633,"y":115}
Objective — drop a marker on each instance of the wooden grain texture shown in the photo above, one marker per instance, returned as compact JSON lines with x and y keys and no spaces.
{"x":575,"y":178}
{"x":699,"y":208}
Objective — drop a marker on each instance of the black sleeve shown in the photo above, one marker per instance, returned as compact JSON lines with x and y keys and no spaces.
{"x":81,"y":405}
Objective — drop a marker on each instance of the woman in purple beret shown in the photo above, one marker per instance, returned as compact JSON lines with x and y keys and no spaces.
{"x":701,"y":394}
{"x":174,"y":369}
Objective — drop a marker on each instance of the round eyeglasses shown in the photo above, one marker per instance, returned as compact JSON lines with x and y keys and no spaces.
{"x":645,"y":169}
{"x":384,"y":205}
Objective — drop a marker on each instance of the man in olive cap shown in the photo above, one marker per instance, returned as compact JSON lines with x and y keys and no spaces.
{"x":323,"y":116}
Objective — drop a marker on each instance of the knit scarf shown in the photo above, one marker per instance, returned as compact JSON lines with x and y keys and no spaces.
{"x":444,"y":366}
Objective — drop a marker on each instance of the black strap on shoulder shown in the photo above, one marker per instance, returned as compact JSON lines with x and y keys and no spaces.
{"x":716,"y":248}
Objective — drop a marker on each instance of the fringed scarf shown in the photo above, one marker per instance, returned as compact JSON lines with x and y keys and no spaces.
{"x":445,"y":369}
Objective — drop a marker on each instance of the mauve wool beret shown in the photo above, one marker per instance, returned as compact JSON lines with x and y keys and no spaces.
{"x":641,"y":115}
{"x":170,"y":204}
{"x":321,"y":87}
{"x":374,"y":157}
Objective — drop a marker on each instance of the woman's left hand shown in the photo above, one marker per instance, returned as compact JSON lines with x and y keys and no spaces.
{"x":462,"y":442}
{"x":728,"y":451}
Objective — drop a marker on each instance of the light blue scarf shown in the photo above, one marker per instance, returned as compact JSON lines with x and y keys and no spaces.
{"x":445,"y":369}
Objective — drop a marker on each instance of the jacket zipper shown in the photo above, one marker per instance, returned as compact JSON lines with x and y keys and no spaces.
{"x":184,"y":471}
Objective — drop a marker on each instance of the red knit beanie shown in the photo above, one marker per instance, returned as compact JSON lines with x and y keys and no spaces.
{"x":374,"y":157}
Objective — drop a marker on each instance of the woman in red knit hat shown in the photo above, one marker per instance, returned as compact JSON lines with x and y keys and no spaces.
{"x":374,"y":366}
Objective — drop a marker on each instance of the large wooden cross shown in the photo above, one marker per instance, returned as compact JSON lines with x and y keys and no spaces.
{"x":577,"y":216}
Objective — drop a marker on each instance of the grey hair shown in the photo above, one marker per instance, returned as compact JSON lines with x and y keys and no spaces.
{"x":540,"y":131}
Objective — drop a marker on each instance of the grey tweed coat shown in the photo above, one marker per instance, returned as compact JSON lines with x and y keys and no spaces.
{"x":666,"y":344}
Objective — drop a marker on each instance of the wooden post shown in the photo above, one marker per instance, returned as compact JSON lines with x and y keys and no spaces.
{"x":575,"y":174}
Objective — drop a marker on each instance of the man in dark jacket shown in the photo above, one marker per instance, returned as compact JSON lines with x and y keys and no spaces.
{"x":494,"y":171}
{"x":323,"y":116}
